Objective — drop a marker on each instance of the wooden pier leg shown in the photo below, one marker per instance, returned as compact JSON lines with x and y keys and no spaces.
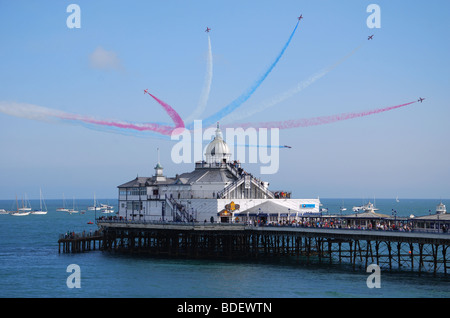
{"x":411,"y":255}
{"x":308,"y":251}
{"x":351,"y":254}
{"x":330,"y":248}
{"x":444,"y":252}
{"x":340,"y":250}
{"x":319,"y":248}
{"x":390,"y":254}
{"x":420,"y":257}
{"x":377,"y":255}
{"x":371,"y":251}
{"x":355,"y":252}
{"x":360,"y":251}
{"x":435,"y":256}
{"x":367,"y":253}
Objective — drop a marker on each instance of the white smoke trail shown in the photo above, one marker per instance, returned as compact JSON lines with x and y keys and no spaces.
{"x":35,"y":112}
{"x":288,"y":94}
{"x":206,"y":87}
{"x":30,"y":111}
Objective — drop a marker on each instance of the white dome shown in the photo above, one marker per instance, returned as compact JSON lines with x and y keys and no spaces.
{"x":217,"y":151}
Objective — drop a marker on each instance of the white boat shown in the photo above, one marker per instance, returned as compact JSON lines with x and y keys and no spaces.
{"x":3,"y":211}
{"x":20,"y":211}
{"x":95,"y":207}
{"x":26,"y":206}
{"x":369,"y":207}
{"x":73,"y":207}
{"x":342,"y":208}
{"x":108,"y":210}
{"x":63,"y":209}
{"x":41,"y":200}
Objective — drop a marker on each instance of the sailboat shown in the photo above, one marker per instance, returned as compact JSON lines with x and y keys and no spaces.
{"x":20,"y":211}
{"x":95,"y":207}
{"x":73,"y":207}
{"x":342,"y":208}
{"x":26,"y":206}
{"x":396,"y":199}
{"x":41,"y":199}
{"x":63,"y":209}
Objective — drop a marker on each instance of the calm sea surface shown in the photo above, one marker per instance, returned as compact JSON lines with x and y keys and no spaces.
{"x":30,"y":265}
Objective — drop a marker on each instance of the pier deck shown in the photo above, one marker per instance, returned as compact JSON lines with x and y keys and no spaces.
{"x":75,"y":243}
{"x":415,"y":251}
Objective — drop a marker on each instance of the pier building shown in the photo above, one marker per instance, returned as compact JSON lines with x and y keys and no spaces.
{"x":217,"y":190}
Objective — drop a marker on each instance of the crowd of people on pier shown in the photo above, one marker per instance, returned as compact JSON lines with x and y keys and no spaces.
{"x":73,"y":235}
{"x":310,"y":222}
{"x":335,"y":224}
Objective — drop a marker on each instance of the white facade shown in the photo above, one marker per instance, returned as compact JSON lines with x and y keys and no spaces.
{"x":207,"y":193}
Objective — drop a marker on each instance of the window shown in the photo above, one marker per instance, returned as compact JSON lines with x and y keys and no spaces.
{"x":137,"y":191}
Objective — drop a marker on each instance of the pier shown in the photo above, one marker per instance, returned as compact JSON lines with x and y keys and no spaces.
{"x":79,"y":242}
{"x":413,"y":251}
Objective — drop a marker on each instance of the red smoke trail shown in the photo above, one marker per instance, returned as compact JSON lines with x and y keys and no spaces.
{"x":179,"y":123}
{"x":315,"y":121}
{"x":162,"y":129}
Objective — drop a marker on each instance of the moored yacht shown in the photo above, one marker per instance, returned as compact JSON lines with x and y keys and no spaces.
{"x":369,"y":207}
{"x":63,"y":209}
{"x":21,"y":211}
{"x":42,"y":205}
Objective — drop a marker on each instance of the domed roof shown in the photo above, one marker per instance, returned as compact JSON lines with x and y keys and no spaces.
{"x":217,"y":150}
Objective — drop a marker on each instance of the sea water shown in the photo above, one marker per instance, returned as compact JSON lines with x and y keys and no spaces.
{"x":30,"y":265}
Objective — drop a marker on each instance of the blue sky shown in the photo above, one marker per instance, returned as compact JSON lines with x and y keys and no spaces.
{"x":162,"y":46}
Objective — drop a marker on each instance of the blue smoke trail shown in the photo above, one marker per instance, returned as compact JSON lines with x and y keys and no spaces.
{"x":246,"y":95}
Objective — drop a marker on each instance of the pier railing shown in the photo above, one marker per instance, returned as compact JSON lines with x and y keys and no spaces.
{"x":84,"y":234}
